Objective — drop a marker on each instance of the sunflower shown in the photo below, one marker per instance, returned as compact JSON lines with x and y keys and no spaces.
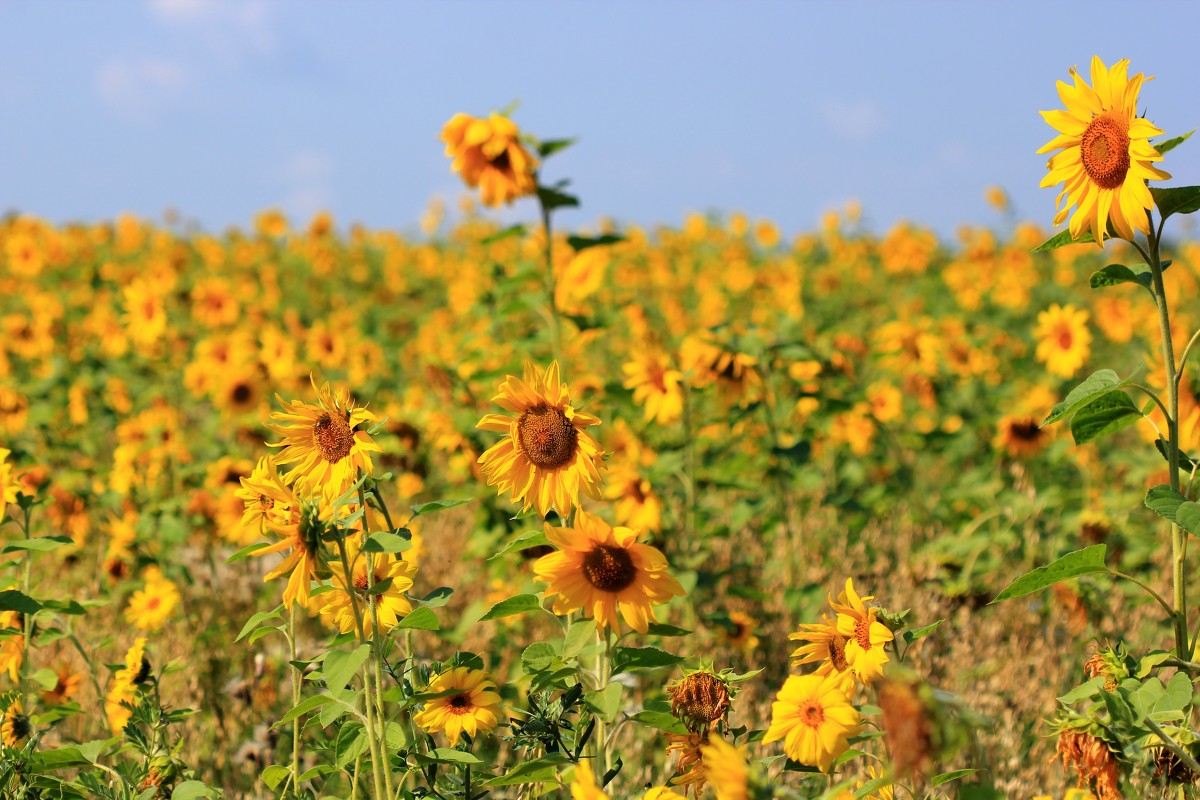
{"x":547,"y":457}
{"x":335,"y":607}
{"x":8,"y":484}
{"x":474,"y":710}
{"x":16,"y":727}
{"x":814,"y":718}
{"x":1104,"y":158}
{"x":690,"y":770}
{"x":1020,"y":436}
{"x":1063,"y":339}
{"x":66,"y":686}
{"x":302,"y":536}
{"x":151,"y":606}
{"x":488,"y":153}
{"x":738,"y":632}
{"x":865,"y":635}
{"x":12,"y":644}
{"x":321,"y":440}
{"x":634,"y":502}
{"x":583,"y":784}
{"x":600,"y":569}
{"x":266,"y":496}
{"x":727,"y":770}
{"x":656,"y":386}
{"x":825,"y":647}
{"x":124,"y":687}
{"x":700,"y":700}
{"x":661,"y":793}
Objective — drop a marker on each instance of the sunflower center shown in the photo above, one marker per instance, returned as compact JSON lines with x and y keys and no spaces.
{"x":837,"y":653}
{"x":333,"y":437}
{"x":1105,"y":152}
{"x":460,"y":703}
{"x":360,"y":582}
{"x":1026,"y":430}
{"x":241,"y":393}
{"x":862,"y":633}
{"x":609,"y":568}
{"x":266,"y":502}
{"x":1065,"y":339}
{"x":20,"y":726}
{"x":547,"y":437}
{"x":812,"y":714}
{"x":501,"y":162}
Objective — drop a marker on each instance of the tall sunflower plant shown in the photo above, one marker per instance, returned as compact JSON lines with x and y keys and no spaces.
{"x":1134,"y":715}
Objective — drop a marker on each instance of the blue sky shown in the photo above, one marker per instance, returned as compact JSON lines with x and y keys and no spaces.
{"x":220,"y":108}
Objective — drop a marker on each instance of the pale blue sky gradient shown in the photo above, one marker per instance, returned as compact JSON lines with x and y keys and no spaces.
{"x":783,"y":110}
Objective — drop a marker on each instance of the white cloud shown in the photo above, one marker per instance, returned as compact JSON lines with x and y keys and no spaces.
{"x":856,"y":121}
{"x":136,"y":90}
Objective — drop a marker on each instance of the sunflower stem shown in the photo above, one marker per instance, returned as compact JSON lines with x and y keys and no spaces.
{"x":551,"y":281}
{"x":603,"y":676}
{"x":298,"y":722}
{"x":1178,"y":551}
{"x":376,"y":644}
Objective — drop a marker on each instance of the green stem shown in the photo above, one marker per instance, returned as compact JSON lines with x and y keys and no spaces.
{"x":603,"y":676}
{"x":376,"y":647}
{"x":551,"y":281}
{"x":296,"y":723}
{"x":1152,"y":593}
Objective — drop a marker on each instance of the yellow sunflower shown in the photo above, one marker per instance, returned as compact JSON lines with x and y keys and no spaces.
{"x":266,"y":496}
{"x":814,"y":718}
{"x":66,"y":686}
{"x":583,"y":784}
{"x":690,"y":770}
{"x":474,"y":710}
{"x":8,"y":484}
{"x":825,"y":647}
{"x":726,"y":768}
{"x":1063,"y":339}
{"x":16,"y":727}
{"x":124,"y":687}
{"x":600,"y":569}
{"x":656,"y":386}
{"x":321,"y":441}
{"x":151,"y":606}
{"x":488,"y":154}
{"x":1104,"y":157}
{"x":335,"y":607}
{"x":302,"y":536}
{"x":1020,"y":436}
{"x":12,"y":645}
{"x":547,"y":457}
{"x":865,"y":635}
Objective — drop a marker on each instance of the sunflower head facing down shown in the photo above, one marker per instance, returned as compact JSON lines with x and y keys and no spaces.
{"x":16,"y":727}
{"x":602,"y":570}
{"x":1103,"y":157}
{"x":547,"y":457}
{"x":321,"y":441}
{"x":473,"y":710}
{"x":488,"y":154}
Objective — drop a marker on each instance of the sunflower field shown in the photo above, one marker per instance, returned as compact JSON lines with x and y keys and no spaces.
{"x":307,"y":511}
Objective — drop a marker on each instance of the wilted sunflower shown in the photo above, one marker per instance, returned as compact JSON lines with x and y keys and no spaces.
{"x":547,"y":458}
{"x":1104,"y":157}
{"x":488,"y":153}
{"x":474,"y":710}
{"x":599,"y":569}
{"x":690,"y":770}
{"x":16,"y":726}
{"x":321,"y":441}
{"x":814,"y":718}
{"x":1063,"y":339}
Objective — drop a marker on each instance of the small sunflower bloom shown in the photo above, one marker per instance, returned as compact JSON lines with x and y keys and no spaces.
{"x":865,"y":635}
{"x":656,"y":386}
{"x":602,"y":571}
{"x":814,"y":718}
{"x":1104,"y":156}
{"x":124,"y":686}
{"x":488,"y":154}
{"x":1063,"y":339}
{"x":335,"y":607}
{"x":266,"y":496}
{"x":824,"y":646}
{"x":547,"y":456}
{"x":16,"y":727}
{"x":474,"y":710}
{"x":151,"y":606}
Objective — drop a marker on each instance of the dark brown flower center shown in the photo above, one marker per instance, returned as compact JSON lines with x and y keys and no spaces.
{"x":812,"y":714}
{"x":241,"y":394}
{"x":837,"y":653}
{"x":1025,"y":430}
{"x":1105,"y":151}
{"x":609,"y":568}
{"x":333,"y":437}
{"x":460,"y":703}
{"x":502,"y":162}
{"x":547,"y":437}
{"x":266,"y":502}
{"x":699,"y":700}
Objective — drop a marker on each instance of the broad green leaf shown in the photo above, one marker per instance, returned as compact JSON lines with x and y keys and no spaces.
{"x":925,"y":630}
{"x":246,"y":552}
{"x":511,"y":230}
{"x":627,"y":659}
{"x":553,"y":198}
{"x":523,"y":542}
{"x":538,"y":656}
{"x":256,"y":620}
{"x":340,"y":666}
{"x":1164,"y":501}
{"x":1170,"y":144}
{"x":41,"y":544}
{"x":445,"y":755}
{"x":1105,"y":415}
{"x":520,"y":604}
{"x":662,"y":629}
{"x":62,"y":758}
{"x":1185,"y":462}
{"x":539,"y":770}
{"x":1080,"y":562}
{"x":1176,"y":199}
{"x":303,"y":707}
{"x":12,"y":600}
{"x":386,"y":542}
{"x":45,"y":678}
{"x":606,"y":702}
{"x":421,"y":619}
{"x":1115,"y":274}
{"x":872,"y":786}
{"x":351,"y":741}
{"x":437,"y":598}
{"x":549,"y":147}
{"x":274,"y":775}
{"x":579,"y":635}
{"x":1083,"y":691}
{"x":1187,"y":516}
{"x":579,"y":243}
{"x":664,"y":721}
{"x":1062,"y":239}
{"x":436,"y":505}
{"x":1098,"y":383}
{"x":190,"y":790}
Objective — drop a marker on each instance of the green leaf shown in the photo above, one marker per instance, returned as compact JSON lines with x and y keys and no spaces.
{"x":386,"y":542}
{"x":437,"y":598}
{"x":606,"y":702}
{"x":62,"y":758}
{"x":664,"y":721}
{"x":246,"y":552}
{"x":420,"y":619}
{"x":1171,"y":144}
{"x":1165,"y":501}
{"x":581,"y":632}
{"x":947,"y":777}
{"x":539,"y":770}
{"x":1098,"y":383}
{"x":520,"y":604}
{"x":1176,"y":199}
{"x":1187,"y":516}
{"x":436,"y":505}
{"x":340,"y":666}
{"x":1080,"y":562}
{"x":257,"y":619}
{"x":41,"y":544}
{"x":1062,"y":239}
{"x":925,"y":630}
{"x":351,"y":741}
{"x":274,"y":775}
{"x":510,"y":231}
{"x":1115,"y":274}
{"x":445,"y":755}
{"x":12,"y":600}
{"x":1105,"y":415}
{"x":303,"y":707}
{"x":1185,"y":462}
{"x":579,"y":243}
{"x":553,"y":198}
{"x":190,"y":790}
{"x":1083,"y":691}
{"x":551,"y":146}
{"x":523,"y":542}
{"x":627,"y":659}
{"x":538,"y":656}
{"x":662,"y":629}
{"x":45,"y":678}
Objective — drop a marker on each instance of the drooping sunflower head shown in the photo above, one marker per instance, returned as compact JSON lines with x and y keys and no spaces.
{"x":547,"y":457}
{"x":488,"y":154}
{"x":1104,"y":155}
{"x":700,"y":699}
{"x":324,"y":442}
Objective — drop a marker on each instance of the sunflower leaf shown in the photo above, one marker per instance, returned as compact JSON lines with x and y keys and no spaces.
{"x":12,"y":600}
{"x":510,"y":231}
{"x":579,"y":243}
{"x":520,"y":604}
{"x":1176,"y":199}
{"x":551,"y":146}
{"x":540,"y":770}
{"x":1087,"y":561}
{"x":421,"y":619}
{"x":553,"y":198}
{"x":1098,"y":383}
{"x":387,"y":542}
{"x":627,"y":659}
{"x":1164,"y":501}
{"x":1171,"y":144}
{"x":436,"y":505}
{"x":1062,"y":239}
{"x":947,"y":777}
{"x":1107,"y":414}
{"x":525,"y":541}
{"x":1185,"y":462}
{"x":1114,"y":274}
